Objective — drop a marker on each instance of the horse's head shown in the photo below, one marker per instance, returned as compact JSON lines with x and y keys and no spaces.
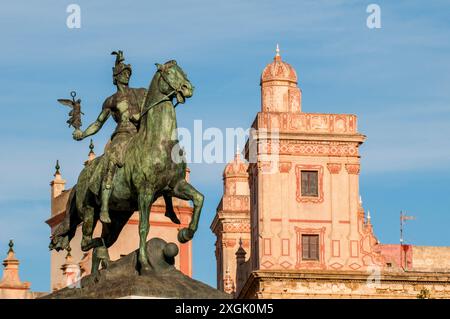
{"x":174,"y":82}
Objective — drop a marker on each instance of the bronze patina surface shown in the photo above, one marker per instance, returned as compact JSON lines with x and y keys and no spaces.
{"x":142,"y":162}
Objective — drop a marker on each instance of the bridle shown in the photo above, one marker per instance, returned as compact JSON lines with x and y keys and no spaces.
{"x":166,"y":97}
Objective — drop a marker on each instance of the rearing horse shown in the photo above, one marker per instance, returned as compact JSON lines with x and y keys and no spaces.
{"x":152,"y":168}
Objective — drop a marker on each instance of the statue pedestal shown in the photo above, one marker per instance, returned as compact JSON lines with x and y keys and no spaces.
{"x":121,"y":280}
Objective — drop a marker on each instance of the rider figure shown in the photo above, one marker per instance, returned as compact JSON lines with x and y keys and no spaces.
{"x":124,"y":106}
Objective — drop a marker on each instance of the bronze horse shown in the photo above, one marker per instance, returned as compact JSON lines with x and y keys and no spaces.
{"x":152,"y":168}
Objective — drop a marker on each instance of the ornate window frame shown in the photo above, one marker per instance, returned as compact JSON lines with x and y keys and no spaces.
{"x":310,"y":264}
{"x":298,"y":175}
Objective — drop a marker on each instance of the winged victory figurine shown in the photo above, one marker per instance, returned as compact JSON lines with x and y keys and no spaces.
{"x":75,"y":114}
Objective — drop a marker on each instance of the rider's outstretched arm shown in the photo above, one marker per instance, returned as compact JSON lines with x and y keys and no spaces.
{"x":97,"y":125}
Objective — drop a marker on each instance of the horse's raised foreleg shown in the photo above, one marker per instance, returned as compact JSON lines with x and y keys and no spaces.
{"x":186,"y":191}
{"x":144,"y":201}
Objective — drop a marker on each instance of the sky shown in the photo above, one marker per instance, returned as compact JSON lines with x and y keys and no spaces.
{"x":396,"y":79}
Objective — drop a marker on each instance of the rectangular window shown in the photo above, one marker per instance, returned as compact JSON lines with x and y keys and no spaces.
{"x":310,"y":247}
{"x":310,"y":183}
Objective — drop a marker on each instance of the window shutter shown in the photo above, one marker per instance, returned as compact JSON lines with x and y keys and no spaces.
{"x":309,"y":183}
{"x":313,"y":181}
{"x":304,"y":177}
{"x":310,"y":247}
{"x":305,"y":247}
{"x":314,"y":244}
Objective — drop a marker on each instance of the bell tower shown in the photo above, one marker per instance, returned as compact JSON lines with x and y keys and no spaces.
{"x":231,"y":225}
{"x":304,"y":183}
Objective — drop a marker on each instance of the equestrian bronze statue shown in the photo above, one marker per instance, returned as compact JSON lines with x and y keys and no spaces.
{"x":142,"y":162}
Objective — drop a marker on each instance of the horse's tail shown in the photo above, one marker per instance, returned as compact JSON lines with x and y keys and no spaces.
{"x":65,"y":231}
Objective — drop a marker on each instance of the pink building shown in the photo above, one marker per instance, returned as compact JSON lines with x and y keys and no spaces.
{"x":300,"y":209}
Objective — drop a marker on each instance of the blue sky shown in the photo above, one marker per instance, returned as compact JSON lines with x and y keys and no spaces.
{"x":396,"y":79}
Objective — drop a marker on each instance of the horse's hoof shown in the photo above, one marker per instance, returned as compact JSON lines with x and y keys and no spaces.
{"x":59,"y":243}
{"x":185,"y":235}
{"x":173,"y":217}
{"x":104,"y":218}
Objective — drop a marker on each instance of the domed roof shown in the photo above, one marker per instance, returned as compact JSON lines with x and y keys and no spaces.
{"x":236,"y":167}
{"x":278,"y":70}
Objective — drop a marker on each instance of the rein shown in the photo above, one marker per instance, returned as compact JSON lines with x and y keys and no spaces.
{"x":165,"y":98}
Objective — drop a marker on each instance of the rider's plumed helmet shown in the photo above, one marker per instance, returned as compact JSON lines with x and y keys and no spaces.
{"x":119,"y":66}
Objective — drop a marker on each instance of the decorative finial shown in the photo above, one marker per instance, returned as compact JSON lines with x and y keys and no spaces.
{"x":11,"y":245}
{"x":238,"y":152}
{"x":91,"y":154}
{"x":360,"y":200}
{"x":368,"y":216}
{"x":240,"y":241}
{"x":91,"y":146}
{"x":277,"y":50}
{"x":57,"y":167}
